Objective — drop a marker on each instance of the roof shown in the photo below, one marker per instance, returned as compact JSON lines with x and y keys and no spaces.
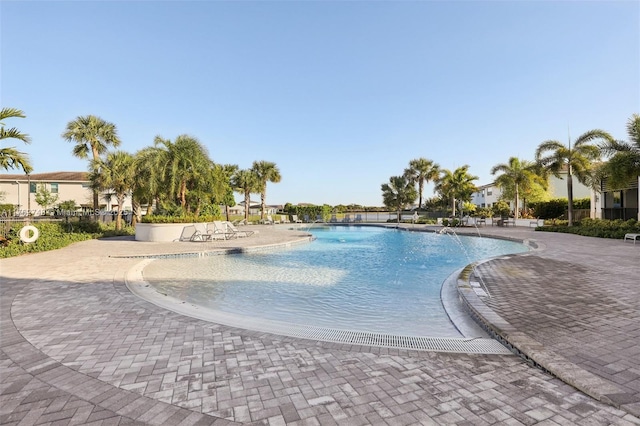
{"x":50,"y":177}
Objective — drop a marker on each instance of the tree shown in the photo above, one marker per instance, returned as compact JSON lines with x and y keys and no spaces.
{"x":624,"y":164}
{"x":265,"y":171}
{"x":245,"y":182}
{"x":45,"y":198}
{"x":420,"y":171}
{"x":117,"y":173}
{"x":225,"y":173}
{"x":456,"y":186}
{"x":398,"y":193}
{"x":91,"y":134}
{"x":577,"y":160}
{"x":11,"y":158}
{"x":182,"y":166}
{"x":517,"y":175}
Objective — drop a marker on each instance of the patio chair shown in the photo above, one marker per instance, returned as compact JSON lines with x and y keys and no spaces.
{"x":319,"y":218}
{"x":358,"y":218}
{"x":202,"y":233}
{"x":187,"y":233}
{"x":347,"y":218}
{"x":633,"y":237}
{"x":219,"y":230}
{"x":294,"y":219}
{"x":284,"y":218}
{"x":333,"y":219}
{"x":231,"y":229}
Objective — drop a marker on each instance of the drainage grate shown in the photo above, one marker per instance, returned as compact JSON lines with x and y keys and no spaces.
{"x":435,"y":344}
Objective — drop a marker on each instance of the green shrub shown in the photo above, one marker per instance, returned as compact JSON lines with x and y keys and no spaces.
{"x":55,"y":235}
{"x":601,"y":228}
{"x":178,"y":219}
{"x":556,"y":208}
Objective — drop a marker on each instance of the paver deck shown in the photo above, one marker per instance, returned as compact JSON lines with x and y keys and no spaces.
{"x":78,"y":348}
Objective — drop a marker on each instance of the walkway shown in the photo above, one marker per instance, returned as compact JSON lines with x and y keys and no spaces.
{"x":78,"y":348}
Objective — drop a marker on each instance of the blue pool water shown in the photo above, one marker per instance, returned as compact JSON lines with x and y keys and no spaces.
{"x":354,"y":278}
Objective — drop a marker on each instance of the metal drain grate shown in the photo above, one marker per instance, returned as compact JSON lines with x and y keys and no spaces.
{"x":435,"y":344}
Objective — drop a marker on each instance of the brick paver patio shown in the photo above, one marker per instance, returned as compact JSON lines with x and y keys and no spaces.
{"x":78,"y":348}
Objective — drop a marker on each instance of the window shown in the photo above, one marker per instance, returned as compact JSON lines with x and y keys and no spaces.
{"x":489,"y":191}
{"x":32,"y":187}
{"x":617,"y":199}
{"x":54,"y":188}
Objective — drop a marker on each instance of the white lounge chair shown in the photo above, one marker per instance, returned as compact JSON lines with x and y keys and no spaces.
{"x":231,"y":228}
{"x":333,"y":219}
{"x":219,"y":230}
{"x":633,"y":237}
{"x":319,"y":218}
{"x":294,"y":219}
{"x":202,"y":233}
{"x":284,"y":218}
{"x":358,"y":218}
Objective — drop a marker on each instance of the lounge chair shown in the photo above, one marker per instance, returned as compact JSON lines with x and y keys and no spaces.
{"x":294,"y":219}
{"x":219,"y":230}
{"x":358,"y":218}
{"x":284,"y":218}
{"x":231,"y":229}
{"x":187,"y":233}
{"x":333,"y":219}
{"x":306,"y":218}
{"x":319,"y":218}
{"x":202,"y":233}
{"x":633,"y":237}
{"x":347,"y":218}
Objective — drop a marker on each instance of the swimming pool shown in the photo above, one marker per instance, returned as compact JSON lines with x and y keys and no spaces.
{"x":352,"y":278}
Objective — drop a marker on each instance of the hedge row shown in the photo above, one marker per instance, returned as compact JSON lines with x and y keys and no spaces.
{"x":601,"y":228}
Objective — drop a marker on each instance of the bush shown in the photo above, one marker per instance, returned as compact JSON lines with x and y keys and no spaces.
{"x":556,"y":208}
{"x":178,"y":219}
{"x":54,"y":235}
{"x":601,"y":228}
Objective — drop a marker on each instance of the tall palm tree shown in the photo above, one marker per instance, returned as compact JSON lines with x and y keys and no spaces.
{"x":116,"y":173}
{"x":420,"y":171}
{"x":245,"y":182}
{"x":10,"y":158}
{"x":225,"y":173}
{"x":398,"y":193}
{"x":624,"y":164}
{"x":265,"y":171}
{"x":184,"y":165}
{"x":518,"y":175}
{"x":456,"y":186}
{"x":577,"y":159}
{"x":91,"y":134}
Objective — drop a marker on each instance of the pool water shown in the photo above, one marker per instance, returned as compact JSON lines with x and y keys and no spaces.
{"x":353,"y":278}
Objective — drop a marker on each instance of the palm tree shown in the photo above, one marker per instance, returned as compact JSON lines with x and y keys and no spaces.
{"x":10,"y":158}
{"x":224,"y":173}
{"x":420,"y":171}
{"x":265,"y":171}
{"x":456,"y":186}
{"x":577,"y":160}
{"x":183,"y":166}
{"x":517,"y":175}
{"x":624,"y":165}
{"x":398,"y":193}
{"x":91,"y":134}
{"x":117,"y":172}
{"x":245,"y":182}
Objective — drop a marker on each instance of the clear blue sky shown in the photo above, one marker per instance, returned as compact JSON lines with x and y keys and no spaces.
{"x":341,"y":95}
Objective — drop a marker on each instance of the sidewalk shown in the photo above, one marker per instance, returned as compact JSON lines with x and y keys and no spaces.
{"x":78,"y":348}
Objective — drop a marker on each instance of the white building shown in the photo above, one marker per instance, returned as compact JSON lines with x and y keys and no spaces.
{"x":488,"y":195}
{"x":20,"y":191}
